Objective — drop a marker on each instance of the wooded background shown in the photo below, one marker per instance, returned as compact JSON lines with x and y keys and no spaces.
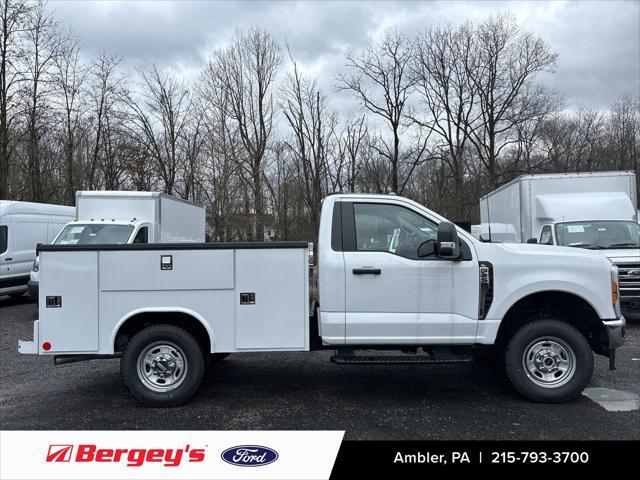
{"x":446,"y":115}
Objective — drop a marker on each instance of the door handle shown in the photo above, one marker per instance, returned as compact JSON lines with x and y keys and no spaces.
{"x":367,"y":271}
{"x":8,"y":259}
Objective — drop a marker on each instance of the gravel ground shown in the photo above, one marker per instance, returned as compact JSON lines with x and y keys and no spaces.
{"x":305,"y":391}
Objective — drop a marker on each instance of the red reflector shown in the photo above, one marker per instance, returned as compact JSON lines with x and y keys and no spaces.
{"x":46,"y":346}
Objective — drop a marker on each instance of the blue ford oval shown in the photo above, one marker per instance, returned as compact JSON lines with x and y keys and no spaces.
{"x":249,"y":455}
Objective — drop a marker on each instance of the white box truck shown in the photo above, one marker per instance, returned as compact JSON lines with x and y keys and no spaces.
{"x":22,"y":226}
{"x":108,"y":217}
{"x":393,"y":275}
{"x":595,"y":211}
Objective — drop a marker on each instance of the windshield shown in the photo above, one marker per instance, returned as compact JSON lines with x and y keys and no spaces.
{"x":94,"y":234}
{"x":599,"y":234}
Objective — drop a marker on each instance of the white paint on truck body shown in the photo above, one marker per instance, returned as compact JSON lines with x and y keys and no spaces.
{"x":102,"y":289}
{"x":412,"y":301}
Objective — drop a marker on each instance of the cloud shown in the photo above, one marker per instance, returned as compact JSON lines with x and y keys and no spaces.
{"x":598,"y":42}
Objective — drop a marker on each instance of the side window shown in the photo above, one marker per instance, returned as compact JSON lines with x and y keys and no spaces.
{"x":3,"y":238}
{"x":142,"y":235}
{"x":391,"y":228}
{"x":545,"y":236}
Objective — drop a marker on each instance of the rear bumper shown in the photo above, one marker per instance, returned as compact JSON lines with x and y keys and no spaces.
{"x":30,"y":347}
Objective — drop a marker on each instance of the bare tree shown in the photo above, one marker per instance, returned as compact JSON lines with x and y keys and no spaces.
{"x":43,"y":38}
{"x":13,"y":24}
{"x":106,"y":97}
{"x":502,"y":69}
{"x":381,"y":81}
{"x":624,"y":133}
{"x":441,"y":55}
{"x":159,"y":121}
{"x":312,"y":125}
{"x":247,"y":69}
{"x":69,"y":79}
{"x":222,"y":181}
{"x":349,"y":145}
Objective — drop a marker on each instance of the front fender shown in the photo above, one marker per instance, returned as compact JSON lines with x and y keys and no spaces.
{"x":594,"y":289}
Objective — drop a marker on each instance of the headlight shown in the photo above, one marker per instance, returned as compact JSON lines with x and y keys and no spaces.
{"x":615,"y":289}
{"x":36,"y":265}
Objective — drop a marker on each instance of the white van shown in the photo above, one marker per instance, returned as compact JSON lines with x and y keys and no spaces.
{"x":22,"y":226}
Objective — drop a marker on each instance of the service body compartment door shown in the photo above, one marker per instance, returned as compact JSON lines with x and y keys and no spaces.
{"x":272,"y":299}
{"x":73,"y":277}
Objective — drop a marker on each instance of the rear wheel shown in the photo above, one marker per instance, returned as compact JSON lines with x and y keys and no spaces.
{"x":549,"y":361}
{"x":162,"y":365}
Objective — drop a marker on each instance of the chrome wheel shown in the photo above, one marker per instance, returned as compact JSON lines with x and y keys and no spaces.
{"x":162,"y":366}
{"x":549,"y":362}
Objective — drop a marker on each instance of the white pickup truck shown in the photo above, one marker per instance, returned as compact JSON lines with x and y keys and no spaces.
{"x":393,"y":276}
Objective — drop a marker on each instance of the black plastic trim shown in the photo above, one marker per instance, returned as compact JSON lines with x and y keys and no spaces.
{"x":174,"y":246}
{"x":367,"y":271}
{"x":336,"y":227}
{"x":348,"y":227}
{"x":14,"y":281}
{"x":486,"y":294}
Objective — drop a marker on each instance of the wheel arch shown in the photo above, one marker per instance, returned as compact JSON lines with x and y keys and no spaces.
{"x":568,"y":306}
{"x":181,"y":317}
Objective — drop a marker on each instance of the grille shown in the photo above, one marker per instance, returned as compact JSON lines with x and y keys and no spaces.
{"x":629,"y":274}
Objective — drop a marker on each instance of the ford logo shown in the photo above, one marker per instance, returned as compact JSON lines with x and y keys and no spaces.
{"x":634,"y":273}
{"x":249,"y":455}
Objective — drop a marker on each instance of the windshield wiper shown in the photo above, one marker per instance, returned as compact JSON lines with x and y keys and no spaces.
{"x":589,"y":246}
{"x":625,"y":244}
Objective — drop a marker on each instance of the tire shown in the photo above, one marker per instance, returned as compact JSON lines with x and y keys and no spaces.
{"x":162,"y":366}
{"x":549,"y":361}
{"x":218,"y":357}
{"x":17,"y":295}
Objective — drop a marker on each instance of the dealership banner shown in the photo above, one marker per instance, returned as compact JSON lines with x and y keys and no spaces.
{"x":121,"y":454}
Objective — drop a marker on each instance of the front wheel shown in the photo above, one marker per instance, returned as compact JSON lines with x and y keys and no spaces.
{"x":162,"y":365}
{"x":549,"y":361}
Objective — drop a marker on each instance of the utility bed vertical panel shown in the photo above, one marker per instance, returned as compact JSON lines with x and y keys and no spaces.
{"x":279,"y":317}
{"x":72,"y":276}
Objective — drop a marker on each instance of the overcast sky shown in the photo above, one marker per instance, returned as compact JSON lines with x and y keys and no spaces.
{"x":598,"y":42}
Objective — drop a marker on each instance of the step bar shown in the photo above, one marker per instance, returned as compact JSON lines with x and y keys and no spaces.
{"x":400,"y":359}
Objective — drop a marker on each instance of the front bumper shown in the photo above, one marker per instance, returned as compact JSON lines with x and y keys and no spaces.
{"x":615,"y":332}
{"x":615,"y":336}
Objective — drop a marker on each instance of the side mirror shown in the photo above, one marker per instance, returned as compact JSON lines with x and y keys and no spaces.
{"x":427,"y":248}
{"x":532,"y":240}
{"x":448,"y":243}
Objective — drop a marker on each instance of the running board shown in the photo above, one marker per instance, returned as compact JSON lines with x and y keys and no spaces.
{"x":399,"y":359}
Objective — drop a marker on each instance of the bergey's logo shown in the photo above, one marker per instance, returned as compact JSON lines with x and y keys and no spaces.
{"x":131,"y":457}
{"x":249,"y":455}
{"x":59,"y":453}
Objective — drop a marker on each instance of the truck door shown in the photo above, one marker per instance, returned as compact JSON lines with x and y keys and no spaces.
{"x":392,"y":296}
